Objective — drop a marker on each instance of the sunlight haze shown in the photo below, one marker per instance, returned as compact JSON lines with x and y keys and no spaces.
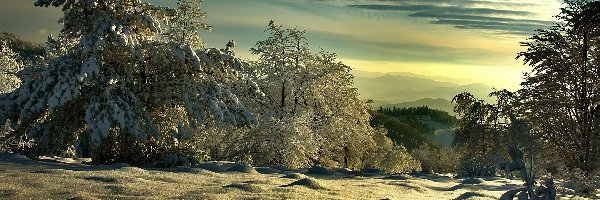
{"x":475,"y":41}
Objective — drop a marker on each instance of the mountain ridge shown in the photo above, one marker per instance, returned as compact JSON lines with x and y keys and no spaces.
{"x":395,"y":89}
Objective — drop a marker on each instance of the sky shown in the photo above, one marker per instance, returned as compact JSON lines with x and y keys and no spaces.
{"x":470,"y":40}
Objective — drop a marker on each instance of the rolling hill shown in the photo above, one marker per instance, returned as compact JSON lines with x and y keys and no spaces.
{"x":396,"y":89}
{"x":404,"y":90}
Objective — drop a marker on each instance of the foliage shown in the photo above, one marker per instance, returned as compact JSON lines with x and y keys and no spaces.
{"x":579,"y":181}
{"x":5,"y":129}
{"x":472,"y":137}
{"x":437,"y":159}
{"x":10,"y":64}
{"x":110,"y":85}
{"x":409,"y":126}
{"x":28,"y":51}
{"x":416,"y":113}
{"x":483,"y":129}
{"x":183,"y":28}
{"x":560,"y":95}
{"x":401,"y":131}
{"x":390,"y":157}
{"x":544,"y":191}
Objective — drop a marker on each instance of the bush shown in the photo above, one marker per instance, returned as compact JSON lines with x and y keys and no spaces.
{"x":11,"y":142}
{"x":437,"y":159}
{"x":398,"y":160}
{"x":579,"y":182}
{"x":390,"y":157}
{"x":474,"y":165}
{"x":530,"y":190}
{"x":5,"y":129}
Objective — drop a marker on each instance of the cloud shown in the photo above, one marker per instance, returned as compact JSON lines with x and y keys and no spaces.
{"x":443,"y":9}
{"x":462,"y":2}
{"x":514,"y":18}
{"x":503,"y":24}
{"x":43,"y":31}
{"x":363,"y":48}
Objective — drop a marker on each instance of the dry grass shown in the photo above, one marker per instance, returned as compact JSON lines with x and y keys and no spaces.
{"x":27,"y":179}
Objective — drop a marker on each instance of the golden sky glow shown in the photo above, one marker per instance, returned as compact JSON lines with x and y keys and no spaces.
{"x":389,"y":39}
{"x":474,"y":40}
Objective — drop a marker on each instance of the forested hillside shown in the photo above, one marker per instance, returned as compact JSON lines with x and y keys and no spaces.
{"x":441,"y":104}
{"x":415,"y":126}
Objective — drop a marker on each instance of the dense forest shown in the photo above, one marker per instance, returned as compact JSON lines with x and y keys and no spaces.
{"x":131,"y":82}
{"x":412,"y":126}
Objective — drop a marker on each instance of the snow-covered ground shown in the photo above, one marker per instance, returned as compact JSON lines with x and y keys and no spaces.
{"x":57,"y":178}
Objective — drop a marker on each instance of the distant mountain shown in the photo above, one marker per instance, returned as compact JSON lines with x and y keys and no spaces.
{"x":366,"y":74}
{"x":393,"y":89}
{"x":438,"y":104}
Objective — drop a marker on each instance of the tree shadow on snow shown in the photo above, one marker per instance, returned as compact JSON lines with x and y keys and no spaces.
{"x":17,"y":161}
{"x":468,"y":195}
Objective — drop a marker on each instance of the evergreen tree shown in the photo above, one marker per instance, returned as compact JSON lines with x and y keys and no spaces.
{"x":112,"y":84}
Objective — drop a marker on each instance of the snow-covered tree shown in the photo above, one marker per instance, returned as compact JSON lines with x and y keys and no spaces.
{"x":282,"y":68}
{"x":5,"y":129}
{"x":114,"y":85}
{"x":437,"y":159}
{"x":9,"y":66}
{"x":390,"y":157}
{"x":183,"y":27}
{"x":310,"y":110}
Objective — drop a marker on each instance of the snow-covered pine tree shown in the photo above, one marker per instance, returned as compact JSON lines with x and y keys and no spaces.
{"x":112,"y":82}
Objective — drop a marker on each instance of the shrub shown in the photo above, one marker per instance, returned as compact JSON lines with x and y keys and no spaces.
{"x":437,"y":159}
{"x":5,"y":129}
{"x":390,"y":157}
{"x":545,"y":190}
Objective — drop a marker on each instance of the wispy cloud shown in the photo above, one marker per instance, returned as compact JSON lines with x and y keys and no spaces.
{"x":443,"y":9}
{"x":503,"y":17}
{"x":407,"y":51}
